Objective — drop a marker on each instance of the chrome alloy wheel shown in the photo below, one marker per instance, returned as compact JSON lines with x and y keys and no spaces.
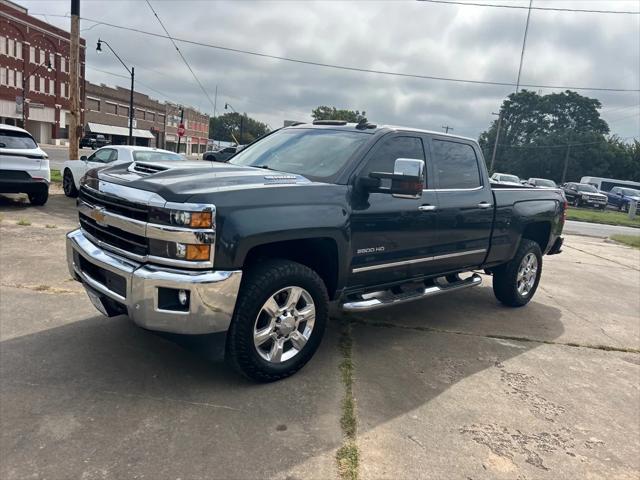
{"x":527,"y":273}
{"x":284,"y":324}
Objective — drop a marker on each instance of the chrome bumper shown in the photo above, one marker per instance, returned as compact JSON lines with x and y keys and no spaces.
{"x":212,"y":294}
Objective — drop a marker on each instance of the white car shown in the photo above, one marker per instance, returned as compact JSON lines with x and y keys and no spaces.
{"x":74,"y":170}
{"x":506,"y":179}
{"x":24,"y":167}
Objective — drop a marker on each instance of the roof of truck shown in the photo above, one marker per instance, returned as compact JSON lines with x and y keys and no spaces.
{"x":373,"y":128}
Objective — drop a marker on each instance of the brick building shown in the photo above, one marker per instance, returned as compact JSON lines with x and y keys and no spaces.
{"x":107,"y":113}
{"x":35,"y":55}
{"x":196,"y":124}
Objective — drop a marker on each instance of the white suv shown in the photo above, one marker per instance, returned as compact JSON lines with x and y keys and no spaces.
{"x":24,"y":167}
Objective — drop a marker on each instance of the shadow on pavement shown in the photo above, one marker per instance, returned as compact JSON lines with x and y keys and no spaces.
{"x":101,"y":395}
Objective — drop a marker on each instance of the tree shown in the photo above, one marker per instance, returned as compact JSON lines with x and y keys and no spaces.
{"x":226,"y":128}
{"x":537,"y":130}
{"x":332,"y":113}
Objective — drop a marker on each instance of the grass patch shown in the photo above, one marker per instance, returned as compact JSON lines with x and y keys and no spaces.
{"x":607,"y":217}
{"x":23,"y":222}
{"x":631,"y":240}
{"x":347,"y":455}
{"x":56,"y":176}
{"x":49,"y":225}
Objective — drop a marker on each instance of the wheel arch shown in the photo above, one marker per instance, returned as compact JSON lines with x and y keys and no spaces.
{"x":539,"y":232}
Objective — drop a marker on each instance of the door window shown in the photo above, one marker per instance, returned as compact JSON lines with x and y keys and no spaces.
{"x":104,"y":155}
{"x":456,"y":165}
{"x":388,"y":150}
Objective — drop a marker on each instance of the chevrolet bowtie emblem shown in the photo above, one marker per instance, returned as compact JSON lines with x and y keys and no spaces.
{"x":98,"y":215}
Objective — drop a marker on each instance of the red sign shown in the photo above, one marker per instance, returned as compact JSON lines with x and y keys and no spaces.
{"x":181,"y":130}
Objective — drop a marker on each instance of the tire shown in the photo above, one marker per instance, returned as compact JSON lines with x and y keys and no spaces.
{"x":269,"y":280}
{"x":576,"y":202}
{"x":506,"y":278}
{"x":40,"y":197}
{"x":624,"y":207}
{"x":68,"y":185}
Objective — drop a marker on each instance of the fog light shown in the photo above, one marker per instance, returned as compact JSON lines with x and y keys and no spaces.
{"x":183,"y":298}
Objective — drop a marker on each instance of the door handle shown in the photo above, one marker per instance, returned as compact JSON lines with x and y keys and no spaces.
{"x":484,"y":205}
{"x":427,"y":208}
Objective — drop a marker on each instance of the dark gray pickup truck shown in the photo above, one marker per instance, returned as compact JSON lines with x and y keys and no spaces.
{"x":362,"y":215}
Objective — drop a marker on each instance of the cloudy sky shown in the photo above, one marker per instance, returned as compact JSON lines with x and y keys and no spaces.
{"x":467,"y":42}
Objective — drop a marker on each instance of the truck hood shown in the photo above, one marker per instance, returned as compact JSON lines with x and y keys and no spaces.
{"x":177,"y":181}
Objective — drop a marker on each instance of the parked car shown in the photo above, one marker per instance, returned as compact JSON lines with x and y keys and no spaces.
{"x":257,"y":247}
{"x":74,"y":170}
{"x":581,"y":194}
{"x":221,"y":155}
{"x":621,"y":197}
{"x":505,"y":179}
{"x":94,"y":141}
{"x":542,"y":183}
{"x":24,"y":167}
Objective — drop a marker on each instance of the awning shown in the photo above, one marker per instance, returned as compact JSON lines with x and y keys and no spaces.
{"x":122,"y":131}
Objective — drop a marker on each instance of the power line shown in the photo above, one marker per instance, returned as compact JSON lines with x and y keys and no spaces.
{"x":181,"y":55}
{"x":354,"y":69}
{"x":520,"y":7}
{"x":524,"y":44}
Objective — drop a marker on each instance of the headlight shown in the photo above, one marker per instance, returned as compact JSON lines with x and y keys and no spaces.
{"x":180,"y":251}
{"x":181,"y":218}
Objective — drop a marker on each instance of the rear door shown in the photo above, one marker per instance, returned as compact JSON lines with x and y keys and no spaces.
{"x":465,"y":204}
{"x":19,"y":151}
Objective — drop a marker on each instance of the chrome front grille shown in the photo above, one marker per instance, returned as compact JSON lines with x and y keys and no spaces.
{"x":117,"y":205}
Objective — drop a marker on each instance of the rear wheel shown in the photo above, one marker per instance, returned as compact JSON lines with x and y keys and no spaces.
{"x":515,"y":283}
{"x":279,"y":320}
{"x":68,"y":185}
{"x":576,"y":202}
{"x":40,"y":197}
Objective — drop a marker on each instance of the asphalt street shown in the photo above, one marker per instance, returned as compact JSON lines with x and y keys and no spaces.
{"x":597,"y":229}
{"x":457,"y":386}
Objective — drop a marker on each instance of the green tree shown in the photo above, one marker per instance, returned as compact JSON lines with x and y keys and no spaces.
{"x":332,"y":113}
{"x":537,"y":130}
{"x":227,"y":128}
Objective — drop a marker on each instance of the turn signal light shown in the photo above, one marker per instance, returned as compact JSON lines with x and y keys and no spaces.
{"x":201,"y":219}
{"x":198,"y":252}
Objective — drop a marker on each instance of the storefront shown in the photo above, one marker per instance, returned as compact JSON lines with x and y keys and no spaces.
{"x":120,"y":135}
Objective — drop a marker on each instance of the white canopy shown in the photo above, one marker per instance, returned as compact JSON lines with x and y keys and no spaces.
{"x":122,"y":131}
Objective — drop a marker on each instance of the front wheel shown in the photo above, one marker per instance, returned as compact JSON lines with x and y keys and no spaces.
{"x":576,"y":202}
{"x":279,"y":320}
{"x":40,"y":197}
{"x":68,"y":185}
{"x":515,"y":283}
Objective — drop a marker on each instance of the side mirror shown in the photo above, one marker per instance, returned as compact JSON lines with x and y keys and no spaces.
{"x":407,"y":179}
{"x":83,"y":157}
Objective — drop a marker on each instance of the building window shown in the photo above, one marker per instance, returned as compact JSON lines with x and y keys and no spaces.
{"x":11,"y":78}
{"x":3,"y":76}
{"x":19,"y":50}
{"x":67,"y":90}
{"x":3,"y":45}
{"x":151,"y":116}
{"x":52,"y":87}
{"x":124,"y":111}
{"x":18,"y":79}
{"x":52,"y":61}
{"x":32,"y":54}
{"x":93,"y":104}
{"x":63,"y":64}
{"x":140,"y":114}
{"x":161,"y":118}
{"x":11,"y":48}
{"x":41,"y":57}
{"x":32,"y":84}
{"x":62,"y":93}
{"x":110,"y":108}
{"x":42,"y":90}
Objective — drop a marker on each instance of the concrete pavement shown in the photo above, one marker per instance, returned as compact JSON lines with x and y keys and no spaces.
{"x":455,"y":386}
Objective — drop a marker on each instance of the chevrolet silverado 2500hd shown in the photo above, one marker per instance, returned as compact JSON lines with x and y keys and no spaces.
{"x":363,"y":215}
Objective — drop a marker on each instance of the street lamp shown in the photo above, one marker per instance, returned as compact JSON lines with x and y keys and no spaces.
{"x":24,"y":89}
{"x":131,"y":72}
{"x":228,"y":106}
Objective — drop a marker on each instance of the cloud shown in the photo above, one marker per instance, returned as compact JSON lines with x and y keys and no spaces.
{"x":457,"y":41}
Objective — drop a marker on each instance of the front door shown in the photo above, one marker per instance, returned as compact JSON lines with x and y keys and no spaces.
{"x":388,"y":232}
{"x":465,"y":205}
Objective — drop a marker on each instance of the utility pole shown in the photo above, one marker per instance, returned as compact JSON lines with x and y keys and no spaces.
{"x":446,"y":128}
{"x":495,"y":144}
{"x":241,"y":127}
{"x":74,"y":77}
{"x":131,"y":112}
{"x":566,"y":163}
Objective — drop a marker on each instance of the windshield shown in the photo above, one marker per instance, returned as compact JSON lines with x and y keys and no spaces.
{"x":151,"y":156}
{"x":586,"y":188}
{"x":630,"y":192}
{"x":16,"y":140}
{"x":509,"y":178}
{"x":309,"y":152}
{"x":545,"y":183}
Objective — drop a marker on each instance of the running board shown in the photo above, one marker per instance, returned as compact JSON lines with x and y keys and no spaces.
{"x":386,"y":299}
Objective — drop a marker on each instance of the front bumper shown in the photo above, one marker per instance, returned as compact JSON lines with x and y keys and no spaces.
{"x":212,"y":294}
